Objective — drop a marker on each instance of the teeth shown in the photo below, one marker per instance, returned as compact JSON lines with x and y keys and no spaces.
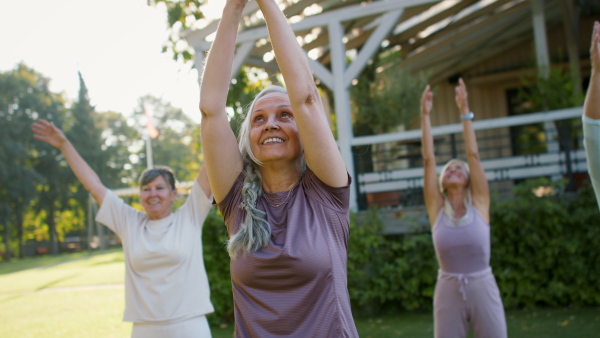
{"x":273,"y":140}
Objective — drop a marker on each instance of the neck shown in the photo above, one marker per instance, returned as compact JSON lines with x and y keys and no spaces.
{"x":456,"y":197}
{"x":279,"y":178}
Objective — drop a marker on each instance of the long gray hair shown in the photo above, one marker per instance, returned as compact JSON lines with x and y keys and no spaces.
{"x":255,"y":230}
{"x":448,"y":210}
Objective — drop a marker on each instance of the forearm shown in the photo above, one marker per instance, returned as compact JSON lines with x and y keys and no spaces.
{"x":217,"y":70}
{"x":470,"y":140}
{"x":86,"y":175}
{"x":591,"y":107}
{"x":427,"y":149}
{"x":291,"y":58}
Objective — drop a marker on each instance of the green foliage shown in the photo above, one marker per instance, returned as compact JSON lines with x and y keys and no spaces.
{"x":388,"y":271}
{"x":385,"y":96}
{"x":181,"y":14}
{"x":555,"y":92}
{"x":546,"y":250}
{"x":216,"y":261}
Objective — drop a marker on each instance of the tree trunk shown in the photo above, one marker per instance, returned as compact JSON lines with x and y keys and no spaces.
{"x":19,"y":215}
{"x":52,"y":230}
{"x":6,"y":239}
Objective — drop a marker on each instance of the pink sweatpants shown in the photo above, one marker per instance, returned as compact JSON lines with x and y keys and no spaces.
{"x":474,"y":298}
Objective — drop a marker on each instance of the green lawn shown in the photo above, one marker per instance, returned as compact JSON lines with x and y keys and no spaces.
{"x":77,"y":295}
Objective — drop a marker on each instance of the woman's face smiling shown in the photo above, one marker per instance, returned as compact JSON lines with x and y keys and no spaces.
{"x":273,"y":131}
{"x":157,"y":198}
{"x":455,"y":175}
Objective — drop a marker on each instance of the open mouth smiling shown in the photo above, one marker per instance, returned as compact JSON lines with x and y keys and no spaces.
{"x":272,"y":140}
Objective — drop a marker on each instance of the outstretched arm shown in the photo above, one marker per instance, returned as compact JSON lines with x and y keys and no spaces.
{"x":202,"y":179}
{"x":433,"y":197}
{"x":479,"y":185}
{"x":48,"y":132}
{"x":223,"y":159}
{"x":591,"y":114}
{"x":320,"y":149}
{"x":591,"y":107}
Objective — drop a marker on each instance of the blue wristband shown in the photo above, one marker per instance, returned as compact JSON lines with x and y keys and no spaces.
{"x":469,"y":116}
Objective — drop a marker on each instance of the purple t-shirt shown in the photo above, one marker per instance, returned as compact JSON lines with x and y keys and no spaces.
{"x":297,"y":285}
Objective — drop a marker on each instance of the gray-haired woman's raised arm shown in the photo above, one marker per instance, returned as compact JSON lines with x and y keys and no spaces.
{"x":320,"y":148}
{"x":223,"y":159}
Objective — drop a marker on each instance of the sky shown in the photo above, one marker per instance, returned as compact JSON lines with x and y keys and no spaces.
{"x":116,"y":44}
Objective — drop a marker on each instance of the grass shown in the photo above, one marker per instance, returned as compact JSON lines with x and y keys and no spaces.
{"x":561,"y":322}
{"x":76,"y":295}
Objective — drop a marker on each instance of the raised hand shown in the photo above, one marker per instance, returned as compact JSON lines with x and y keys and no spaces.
{"x":426,"y":101}
{"x":462,"y":96}
{"x":48,"y":132}
{"x":595,"y":48}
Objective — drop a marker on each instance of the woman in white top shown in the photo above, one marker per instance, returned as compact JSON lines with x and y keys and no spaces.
{"x":166,"y":287}
{"x":591,"y":114}
{"x":458,"y":205}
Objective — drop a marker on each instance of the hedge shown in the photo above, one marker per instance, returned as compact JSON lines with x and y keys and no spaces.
{"x":545,"y":252}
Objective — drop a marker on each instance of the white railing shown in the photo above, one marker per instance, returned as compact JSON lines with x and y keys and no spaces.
{"x":552,"y":163}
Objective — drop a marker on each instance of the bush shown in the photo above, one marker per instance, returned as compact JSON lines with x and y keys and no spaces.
{"x":386,"y":272}
{"x":216,"y":260}
{"x":545,"y":252}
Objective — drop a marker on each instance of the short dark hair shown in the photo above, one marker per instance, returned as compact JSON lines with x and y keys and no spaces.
{"x":150,"y":174}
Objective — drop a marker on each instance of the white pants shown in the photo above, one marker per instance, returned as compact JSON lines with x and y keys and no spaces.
{"x":196,"y":327}
{"x":474,"y":298}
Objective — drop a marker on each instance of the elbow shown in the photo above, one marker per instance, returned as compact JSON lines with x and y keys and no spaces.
{"x":207,"y":109}
{"x":428,"y":159}
{"x":473,"y":155}
{"x":306,"y":96}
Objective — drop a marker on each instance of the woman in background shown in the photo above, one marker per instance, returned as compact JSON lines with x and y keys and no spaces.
{"x":458,"y":206}
{"x":166,"y":287}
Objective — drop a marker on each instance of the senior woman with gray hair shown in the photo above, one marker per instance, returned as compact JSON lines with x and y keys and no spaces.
{"x":283,"y":191}
{"x":166,"y":287}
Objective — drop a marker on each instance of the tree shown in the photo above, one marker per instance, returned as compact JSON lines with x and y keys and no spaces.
{"x":85,"y":135}
{"x":55,"y":192}
{"x":24,"y":96}
{"x":181,"y":14}
{"x":177,"y":143}
{"x":121,"y":142}
{"x":385,"y":97}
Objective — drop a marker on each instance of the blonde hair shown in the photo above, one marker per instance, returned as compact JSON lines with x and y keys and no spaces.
{"x":448,"y":210}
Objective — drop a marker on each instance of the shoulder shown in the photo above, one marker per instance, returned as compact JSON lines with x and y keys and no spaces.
{"x":334,"y":197}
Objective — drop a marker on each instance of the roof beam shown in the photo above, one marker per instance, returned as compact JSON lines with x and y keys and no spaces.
{"x":372,"y":46}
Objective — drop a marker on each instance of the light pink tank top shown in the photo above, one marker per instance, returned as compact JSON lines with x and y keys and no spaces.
{"x":462,"y":245}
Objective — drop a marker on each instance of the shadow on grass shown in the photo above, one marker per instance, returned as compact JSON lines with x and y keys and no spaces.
{"x":54,"y":282}
{"x":10,"y":298}
{"x":116,"y":260}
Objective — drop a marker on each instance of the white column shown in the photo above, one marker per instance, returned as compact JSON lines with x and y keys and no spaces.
{"x":342,"y":103}
{"x":541,"y":41}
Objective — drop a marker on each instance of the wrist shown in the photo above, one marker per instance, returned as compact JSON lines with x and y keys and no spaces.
{"x":468,"y":116}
